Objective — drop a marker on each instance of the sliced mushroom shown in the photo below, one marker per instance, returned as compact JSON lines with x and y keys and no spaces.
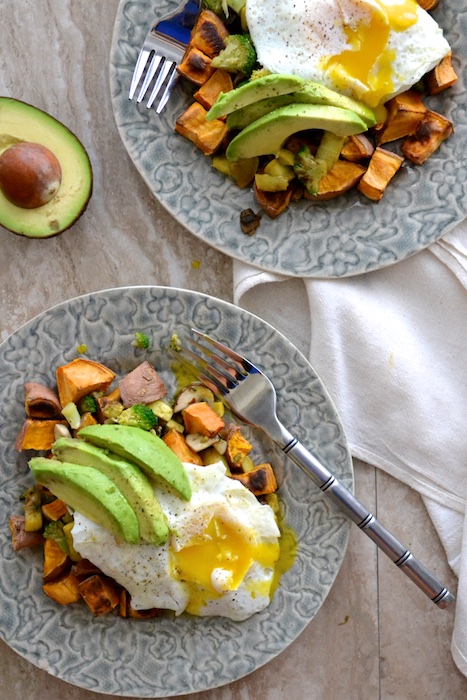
{"x":192,"y":394}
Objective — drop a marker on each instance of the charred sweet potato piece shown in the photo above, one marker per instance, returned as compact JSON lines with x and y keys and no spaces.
{"x":220,"y":81}
{"x":195,"y":66}
{"x":54,"y":510}
{"x":141,"y":385}
{"x":63,"y":590}
{"x":433,"y":130}
{"x":274,"y":203}
{"x":177,"y":443}
{"x":99,"y":593}
{"x":41,"y":401}
{"x":207,"y":136}
{"x":238,"y":446}
{"x":442,"y":76}
{"x":209,"y":34}
{"x":37,"y":434}
{"x":21,"y":539}
{"x":81,"y":377}
{"x":84,"y":568}
{"x":259,"y":481}
{"x":56,"y":561}
{"x":357,"y":148}
{"x":404,"y":114}
{"x":428,"y":4}
{"x":125,"y":608}
{"x":200,"y":418}
{"x":382,"y":168}
{"x":342,"y":177}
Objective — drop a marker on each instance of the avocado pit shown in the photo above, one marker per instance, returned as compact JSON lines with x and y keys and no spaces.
{"x":30,"y":175}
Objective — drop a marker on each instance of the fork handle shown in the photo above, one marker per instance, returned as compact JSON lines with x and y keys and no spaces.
{"x":360,"y":515}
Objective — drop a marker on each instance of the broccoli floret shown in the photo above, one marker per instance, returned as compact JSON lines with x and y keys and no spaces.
{"x":215,"y":6}
{"x":138,"y":416}
{"x":309,"y":169}
{"x":141,"y":340}
{"x":239,"y":55}
{"x":87,"y":404}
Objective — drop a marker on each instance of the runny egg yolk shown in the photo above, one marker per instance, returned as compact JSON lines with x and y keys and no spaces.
{"x":369,"y":60}
{"x":218,"y":561}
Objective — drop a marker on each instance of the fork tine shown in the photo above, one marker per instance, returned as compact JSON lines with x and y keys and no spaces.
{"x":153,"y":66}
{"x":194,"y":365}
{"x":168,"y":91}
{"x":167,"y":65}
{"x":228,"y":371}
{"x":138,"y":72}
{"x":245,"y":364}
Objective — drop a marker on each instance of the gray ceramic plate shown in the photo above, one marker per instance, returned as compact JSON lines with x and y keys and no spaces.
{"x":346,"y":236}
{"x":166,"y":657}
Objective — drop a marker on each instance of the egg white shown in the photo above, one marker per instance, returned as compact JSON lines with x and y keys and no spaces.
{"x":298,"y":37}
{"x":147,"y":571}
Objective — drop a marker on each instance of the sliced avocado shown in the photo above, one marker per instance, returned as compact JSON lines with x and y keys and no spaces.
{"x":89,"y":492}
{"x":318,"y":94}
{"x":144,"y":449}
{"x":22,"y":123}
{"x":310,"y":93}
{"x":268,"y":86}
{"x":131,"y":481}
{"x":265,"y":136}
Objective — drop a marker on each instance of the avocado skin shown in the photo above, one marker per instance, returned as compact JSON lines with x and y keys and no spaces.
{"x":20,"y":121}
{"x":131,"y":481}
{"x":268,"y":86}
{"x":89,"y":492}
{"x":266,"y":135}
{"x":144,"y":449}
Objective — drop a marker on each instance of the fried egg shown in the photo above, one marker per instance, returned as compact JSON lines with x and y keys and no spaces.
{"x":371,"y":50}
{"x":219,"y":559}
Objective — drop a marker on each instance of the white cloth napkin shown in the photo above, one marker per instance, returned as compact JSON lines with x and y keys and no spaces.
{"x":390,"y":347}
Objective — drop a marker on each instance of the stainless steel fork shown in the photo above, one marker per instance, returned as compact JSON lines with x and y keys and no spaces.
{"x":249,"y":394}
{"x":162,"y":51}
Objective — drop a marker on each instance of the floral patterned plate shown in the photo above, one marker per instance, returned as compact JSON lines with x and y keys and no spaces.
{"x":166,"y":656}
{"x":345,"y":236}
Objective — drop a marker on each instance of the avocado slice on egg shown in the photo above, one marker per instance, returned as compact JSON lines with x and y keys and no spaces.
{"x":144,"y":449}
{"x":45,"y":172}
{"x":131,"y":481}
{"x":91,"y":493}
{"x":266,"y":135}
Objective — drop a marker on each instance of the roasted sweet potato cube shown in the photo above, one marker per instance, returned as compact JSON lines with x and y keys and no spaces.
{"x":41,"y":401}
{"x":56,"y":561}
{"x":86,"y":419}
{"x":433,"y":130}
{"x":125,"y":608}
{"x":428,"y":5}
{"x":382,"y":168}
{"x":54,"y":510}
{"x":209,"y":34}
{"x":342,"y":177}
{"x":63,"y":590}
{"x":405,"y":112}
{"x":20,"y":539}
{"x":441,"y":77}
{"x":237,"y":449}
{"x":99,"y":593}
{"x":220,"y":81}
{"x":274,"y":203}
{"x":357,"y":148}
{"x":81,"y":377}
{"x":259,"y":481}
{"x":207,"y":136}
{"x":177,"y":443}
{"x":195,"y":66}
{"x":200,"y":418}
{"x":37,"y":434}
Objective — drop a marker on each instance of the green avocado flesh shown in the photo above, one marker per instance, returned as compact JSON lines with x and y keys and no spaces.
{"x":144,"y":449}
{"x":23,"y":122}
{"x":128,"y":478}
{"x":91,"y":493}
{"x":266,"y":135}
{"x":263,"y":88}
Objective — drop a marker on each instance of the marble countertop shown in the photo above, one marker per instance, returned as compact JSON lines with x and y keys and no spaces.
{"x":376,"y":636}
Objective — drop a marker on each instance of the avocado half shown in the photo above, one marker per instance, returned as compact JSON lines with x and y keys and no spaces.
{"x":21,"y":122}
